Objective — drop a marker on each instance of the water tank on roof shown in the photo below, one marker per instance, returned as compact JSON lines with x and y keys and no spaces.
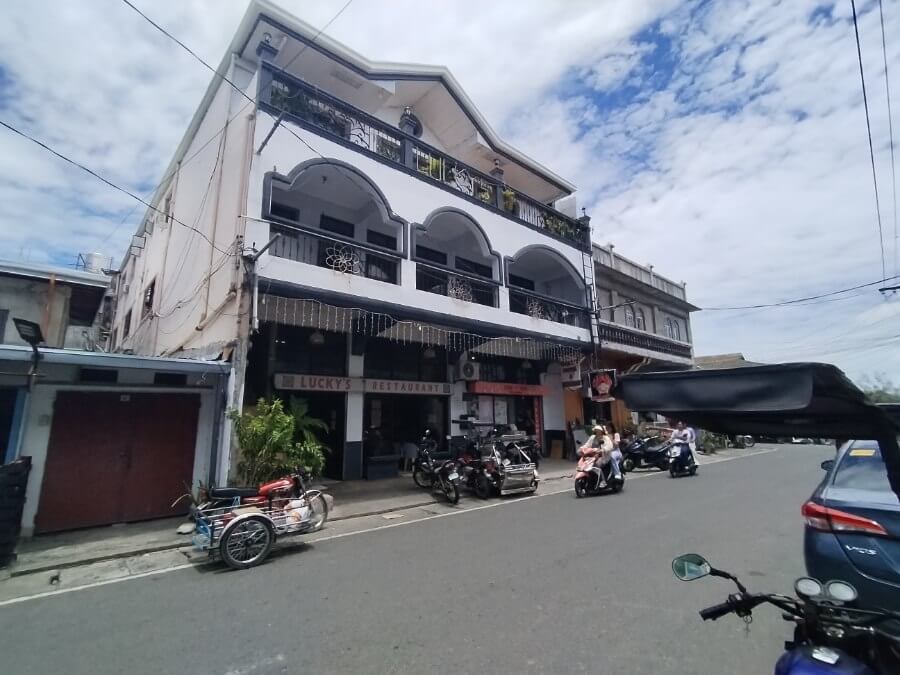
{"x":94,"y":262}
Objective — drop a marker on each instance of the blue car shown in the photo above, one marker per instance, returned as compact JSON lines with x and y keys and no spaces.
{"x":852,"y":528}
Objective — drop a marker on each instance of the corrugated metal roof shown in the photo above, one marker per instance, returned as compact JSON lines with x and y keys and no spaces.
{"x":63,"y":274}
{"x":77,"y":357}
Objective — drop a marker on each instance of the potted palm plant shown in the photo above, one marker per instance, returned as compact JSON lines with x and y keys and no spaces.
{"x":510,"y":203}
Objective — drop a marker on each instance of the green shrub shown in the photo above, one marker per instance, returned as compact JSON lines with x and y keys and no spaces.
{"x":266,"y":437}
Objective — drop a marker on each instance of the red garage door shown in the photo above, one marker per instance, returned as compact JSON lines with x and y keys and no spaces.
{"x":116,"y":458}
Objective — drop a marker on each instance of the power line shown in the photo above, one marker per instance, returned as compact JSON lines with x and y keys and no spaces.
{"x":887,"y":88}
{"x":862,"y":78}
{"x":799,"y":301}
{"x":250,"y":101}
{"x":104,"y":180}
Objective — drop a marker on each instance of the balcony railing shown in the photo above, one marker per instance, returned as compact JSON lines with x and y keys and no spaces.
{"x":334,"y":254}
{"x":542,"y":307}
{"x":635,"y":338}
{"x":609,"y":258}
{"x":460,"y":286}
{"x":332,"y":117}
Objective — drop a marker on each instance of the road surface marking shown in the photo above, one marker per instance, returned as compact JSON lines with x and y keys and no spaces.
{"x":342,"y":535}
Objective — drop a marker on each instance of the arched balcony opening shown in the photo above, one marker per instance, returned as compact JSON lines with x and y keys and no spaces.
{"x":454,"y":258}
{"x":332,"y":215}
{"x":544,"y":285}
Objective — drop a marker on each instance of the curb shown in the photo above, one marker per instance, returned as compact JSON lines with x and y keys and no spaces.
{"x":99,"y":558}
{"x":13,"y":573}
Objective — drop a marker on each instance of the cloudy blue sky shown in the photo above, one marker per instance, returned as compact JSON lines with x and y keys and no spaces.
{"x":723,"y":141}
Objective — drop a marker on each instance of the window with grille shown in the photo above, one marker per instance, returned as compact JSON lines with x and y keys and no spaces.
{"x":147,"y":301}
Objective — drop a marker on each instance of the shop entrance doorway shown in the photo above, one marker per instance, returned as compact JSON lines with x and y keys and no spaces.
{"x":332,"y":409}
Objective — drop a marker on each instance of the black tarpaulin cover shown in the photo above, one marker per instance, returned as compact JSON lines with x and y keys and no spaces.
{"x":790,"y":399}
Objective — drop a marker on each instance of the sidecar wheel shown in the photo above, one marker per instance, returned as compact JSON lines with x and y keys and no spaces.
{"x":247,"y":543}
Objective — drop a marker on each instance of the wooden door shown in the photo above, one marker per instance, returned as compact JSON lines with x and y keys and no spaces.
{"x":116,"y":457}
{"x":86,"y":462}
{"x":161,"y":454}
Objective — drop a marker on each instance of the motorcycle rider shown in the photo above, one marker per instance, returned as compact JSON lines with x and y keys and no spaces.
{"x":685,"y":437}
{"x":600,"y":445}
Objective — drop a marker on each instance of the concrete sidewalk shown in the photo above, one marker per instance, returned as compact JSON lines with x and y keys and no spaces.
{"x":351,"y":499}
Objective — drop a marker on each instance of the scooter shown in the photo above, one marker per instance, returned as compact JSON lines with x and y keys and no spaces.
{"x":592,"y":477}
{"x":831,"y":636}
{"x":681,"y":460}
{"x":645,"y":452}
{"x":433,"y":474}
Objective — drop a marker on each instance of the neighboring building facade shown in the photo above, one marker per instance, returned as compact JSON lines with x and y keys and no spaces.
{"x":363,"y":240}
{"x":71,"y":306}
{"x":713,"y":361}
{"x":644,"y":318}
{"x":112,"y":437}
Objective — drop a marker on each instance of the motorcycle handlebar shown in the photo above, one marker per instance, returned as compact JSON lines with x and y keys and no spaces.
{"x":716,"y":611}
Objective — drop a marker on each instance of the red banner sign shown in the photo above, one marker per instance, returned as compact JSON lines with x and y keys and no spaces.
{"x":507,"y":389}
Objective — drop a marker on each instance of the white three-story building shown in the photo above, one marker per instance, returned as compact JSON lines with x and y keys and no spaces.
{"x":355,"y":234}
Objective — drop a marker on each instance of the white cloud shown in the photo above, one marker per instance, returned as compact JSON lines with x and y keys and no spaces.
{"x":744,"y":170}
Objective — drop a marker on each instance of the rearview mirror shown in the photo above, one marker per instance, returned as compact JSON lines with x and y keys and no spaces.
{"x":690,"y":566}
{"x":827,"y":464}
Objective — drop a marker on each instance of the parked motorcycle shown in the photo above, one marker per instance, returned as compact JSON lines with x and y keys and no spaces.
{"x":681,"y":460}
{"x":507,"y":465}
{"x":830,"y":635}
{"x":241,"y":524}
{"x":592,"y":477}
{"x":645,"y":452}
{"x":433,"y":474}
{"x":740,"y":441}
{"x":470,"y":467}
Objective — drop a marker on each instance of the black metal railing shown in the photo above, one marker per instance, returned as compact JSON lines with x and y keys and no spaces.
{"x":464,"y":287}
{"x":541,"y":307}
{"x":333,"y":117}
{"x":636,"y":338}
{"x":340,"y":256}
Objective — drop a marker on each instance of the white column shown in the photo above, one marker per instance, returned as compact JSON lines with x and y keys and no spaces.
{"x":353,"y":451}
{"x":554,"y":404}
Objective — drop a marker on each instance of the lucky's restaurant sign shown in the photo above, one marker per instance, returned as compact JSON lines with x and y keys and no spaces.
{"x":359,"y":384}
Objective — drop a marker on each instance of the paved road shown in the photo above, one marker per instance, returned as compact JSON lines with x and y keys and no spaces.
{"x":544,"y":585}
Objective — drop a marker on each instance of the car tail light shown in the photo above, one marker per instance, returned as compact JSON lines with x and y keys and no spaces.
{"x":832,"y":520}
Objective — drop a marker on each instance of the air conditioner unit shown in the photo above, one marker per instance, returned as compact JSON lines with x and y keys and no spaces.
{"x":468,"y":371}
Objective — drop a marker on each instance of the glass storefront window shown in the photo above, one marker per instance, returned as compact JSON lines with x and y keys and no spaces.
{"x":517,"y":371}
{"x":396,"y":361}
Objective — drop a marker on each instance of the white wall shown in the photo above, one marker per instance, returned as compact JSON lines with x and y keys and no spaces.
{"x":411,"y":199}
{"x":194,"y":276}
{"x":554,"y":402}
{"x":27,"y":299}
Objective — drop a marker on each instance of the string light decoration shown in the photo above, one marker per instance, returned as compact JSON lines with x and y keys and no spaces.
{"x":315,"y":314}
